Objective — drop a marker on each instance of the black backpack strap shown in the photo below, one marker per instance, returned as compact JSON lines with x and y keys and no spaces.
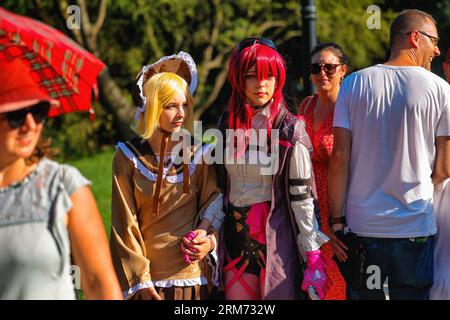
{"x":280,"y":117}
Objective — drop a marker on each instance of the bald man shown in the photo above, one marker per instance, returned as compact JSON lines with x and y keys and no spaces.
{"x":391,"y":146}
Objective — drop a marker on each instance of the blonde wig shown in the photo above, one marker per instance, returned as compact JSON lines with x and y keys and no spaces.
{"x":159,"y":90}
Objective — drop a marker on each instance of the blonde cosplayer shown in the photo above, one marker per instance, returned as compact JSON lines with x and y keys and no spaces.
{"x":158,"y":91}
{"x":166,"y":213}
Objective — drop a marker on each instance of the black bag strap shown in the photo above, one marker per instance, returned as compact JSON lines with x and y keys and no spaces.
{"x":280,"y":117}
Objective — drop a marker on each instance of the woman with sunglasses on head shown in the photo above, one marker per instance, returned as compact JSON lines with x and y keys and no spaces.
{"x":270,"y":227}
{"x":328,"y":66}
{"x":165,"y":210}
{"x":47,"y":211}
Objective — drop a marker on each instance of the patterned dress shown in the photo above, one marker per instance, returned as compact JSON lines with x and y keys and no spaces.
{"x":35,"y":242}
{"x":322,"y":141}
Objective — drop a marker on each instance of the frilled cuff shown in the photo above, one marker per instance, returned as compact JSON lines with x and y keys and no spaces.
{"x":311,"y":242}
{"x":164,"y":284}
{"x":146,"y":284}
{"x":214,"y":212}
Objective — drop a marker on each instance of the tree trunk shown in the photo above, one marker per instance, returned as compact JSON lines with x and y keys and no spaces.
{"x":115,"y":103}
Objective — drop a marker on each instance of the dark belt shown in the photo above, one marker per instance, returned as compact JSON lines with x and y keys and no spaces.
{"x":247,"y":247}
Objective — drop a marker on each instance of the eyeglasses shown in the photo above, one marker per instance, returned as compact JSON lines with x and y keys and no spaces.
{"x":329,"y":68}
{"x":17,"y":118}
{"x":433,"y":39}
{"x":251,"y":41}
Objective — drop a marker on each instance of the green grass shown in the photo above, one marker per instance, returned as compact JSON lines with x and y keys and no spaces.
{"x":98,"y":169}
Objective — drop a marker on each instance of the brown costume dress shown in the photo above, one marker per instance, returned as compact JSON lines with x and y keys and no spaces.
{"x":146,"y":246}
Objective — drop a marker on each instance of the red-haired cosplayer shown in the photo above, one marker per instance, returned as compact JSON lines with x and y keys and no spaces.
{"x":270,"y":228}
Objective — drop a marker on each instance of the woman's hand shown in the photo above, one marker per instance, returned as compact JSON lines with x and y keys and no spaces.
{"x":198,"y":247}
{"x":146,"y":294}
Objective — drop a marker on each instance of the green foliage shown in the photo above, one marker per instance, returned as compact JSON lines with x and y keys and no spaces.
{"x":165,"y":27}
{"x":74,"y":135}
{"x":345,"y":22}
{"x":139,"y":32}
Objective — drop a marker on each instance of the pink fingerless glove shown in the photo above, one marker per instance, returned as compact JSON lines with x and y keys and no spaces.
{"x":315,"y":274}
{"x":191,"y":235}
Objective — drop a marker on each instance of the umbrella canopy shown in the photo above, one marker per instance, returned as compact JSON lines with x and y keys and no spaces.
{"x":61,"y":68}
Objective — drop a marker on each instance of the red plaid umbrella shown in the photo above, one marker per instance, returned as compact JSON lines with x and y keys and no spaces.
{"x":62,"y":68}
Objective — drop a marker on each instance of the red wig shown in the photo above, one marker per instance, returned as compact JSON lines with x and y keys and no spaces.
{"x":267,"y":61}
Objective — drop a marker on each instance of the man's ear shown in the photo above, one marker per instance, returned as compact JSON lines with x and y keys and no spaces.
{"x":413,"y":39}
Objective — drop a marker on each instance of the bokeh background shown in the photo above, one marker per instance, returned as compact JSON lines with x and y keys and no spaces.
{"x":127,"y":34}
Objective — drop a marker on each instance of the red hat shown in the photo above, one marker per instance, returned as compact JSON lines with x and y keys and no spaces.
{"x":17,"y":89}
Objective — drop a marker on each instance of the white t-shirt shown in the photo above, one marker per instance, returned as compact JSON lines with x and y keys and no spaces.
{"x":394,"y":115}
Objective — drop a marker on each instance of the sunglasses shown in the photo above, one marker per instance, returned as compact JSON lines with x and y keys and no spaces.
{"x":251,"y":41}
{"x":17,"y":118}
{"x":329,"y":68}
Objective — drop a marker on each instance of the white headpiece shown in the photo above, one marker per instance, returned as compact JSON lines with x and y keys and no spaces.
{"x":181,"y":64}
